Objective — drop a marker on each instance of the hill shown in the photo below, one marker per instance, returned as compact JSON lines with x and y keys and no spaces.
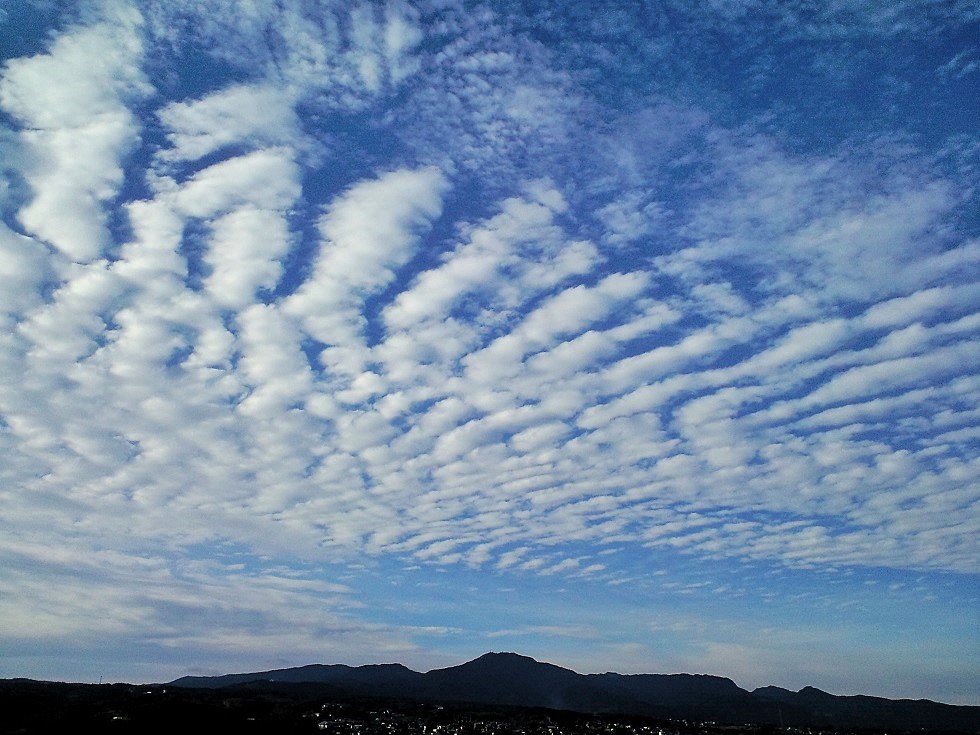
{"x":510,"y":679}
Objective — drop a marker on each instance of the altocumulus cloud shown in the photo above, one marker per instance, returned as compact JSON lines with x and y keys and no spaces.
{"x":369,"y":333}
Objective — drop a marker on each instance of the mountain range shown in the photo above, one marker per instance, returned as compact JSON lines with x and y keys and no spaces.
{"x":515,"y":680}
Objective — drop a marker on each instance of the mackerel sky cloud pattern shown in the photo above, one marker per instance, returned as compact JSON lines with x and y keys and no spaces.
{"x":639,"y":338}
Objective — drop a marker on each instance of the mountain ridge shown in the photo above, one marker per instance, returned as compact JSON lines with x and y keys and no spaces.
{"x":511,"y":679}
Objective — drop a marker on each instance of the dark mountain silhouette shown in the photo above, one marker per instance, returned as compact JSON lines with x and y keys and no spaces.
{"x":688,"y":696}
{"x":878,"y":712}
{"x":506,"y":678}
{"x":514,"y":680}
{"x":370,"y":678}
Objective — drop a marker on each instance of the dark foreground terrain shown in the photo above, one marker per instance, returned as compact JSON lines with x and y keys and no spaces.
{"x":495,"y":694}
{"x":45,"y":707}
{"x":508,"y":679}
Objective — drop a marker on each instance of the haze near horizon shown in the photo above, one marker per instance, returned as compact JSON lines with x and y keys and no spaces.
{"x":640,"y":338}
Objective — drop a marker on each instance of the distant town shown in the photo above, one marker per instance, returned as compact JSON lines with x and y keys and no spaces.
{"x":348,"y":719}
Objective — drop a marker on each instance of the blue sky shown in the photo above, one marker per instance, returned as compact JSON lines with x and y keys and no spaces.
{"x":641,"y":338}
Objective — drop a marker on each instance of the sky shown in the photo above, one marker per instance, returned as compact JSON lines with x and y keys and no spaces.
{"x":634,"y":336}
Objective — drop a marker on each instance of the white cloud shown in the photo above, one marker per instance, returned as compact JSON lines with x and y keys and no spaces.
{"x":267,"y":178}
{"x":835,"y":243}
{"x":22,"y":267}
{"x":244,"y":252}
{"x":272,"y":363}
{"x":566,"y":313}
{"x":924,"y":304}
{"x":77,"y":130}
{"x":256,"y":115}
{"x":369,"y":233}
{"x":890,"y":375}
{"x":401,"y":36}
{"x":505,"y":241}
{"x":629,"y":218}
{"x":577,"y":307}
